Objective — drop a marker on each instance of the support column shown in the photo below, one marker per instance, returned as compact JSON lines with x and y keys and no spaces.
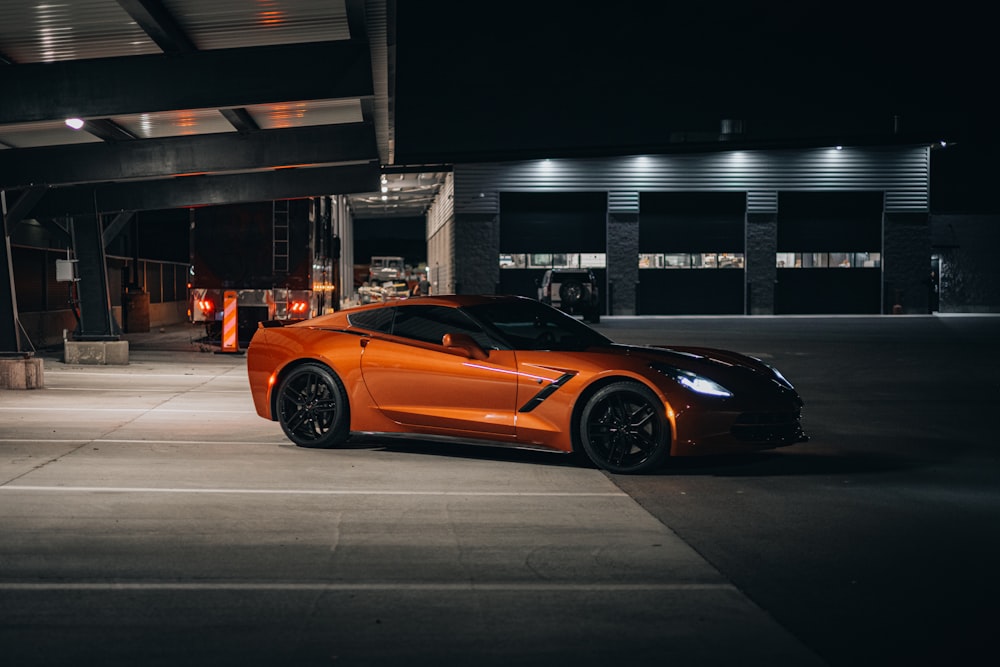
{"x":623,"y":263}
{"x":18,"y":369}
{"x":97,"y":321}
{"x":477,"y":253}
{"x":761,"y":271}
{"x":906,"y":260}
{"x":10,"y":340}
{"x":96,"y":339}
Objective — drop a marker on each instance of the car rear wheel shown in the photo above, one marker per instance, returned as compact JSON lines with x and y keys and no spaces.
{"x":312,"y":407}
{"x":623,"y":429}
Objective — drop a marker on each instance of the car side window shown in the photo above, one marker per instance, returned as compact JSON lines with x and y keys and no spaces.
{"x":376,"y":319}
{"x":430,"y":323}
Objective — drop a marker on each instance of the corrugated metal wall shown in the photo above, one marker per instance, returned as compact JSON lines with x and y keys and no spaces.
{"x":342,"y":226}
{"x":441,"y":239}
{"x":903,"y":173}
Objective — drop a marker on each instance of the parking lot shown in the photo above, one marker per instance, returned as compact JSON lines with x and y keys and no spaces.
{"x":148,"y":516}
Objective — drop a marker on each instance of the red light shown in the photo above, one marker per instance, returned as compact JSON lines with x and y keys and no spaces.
{"x":206,"y":306}
{"x":298,"y":307}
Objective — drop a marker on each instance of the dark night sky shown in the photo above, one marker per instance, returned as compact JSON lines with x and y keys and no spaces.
{"x":479,"y":81}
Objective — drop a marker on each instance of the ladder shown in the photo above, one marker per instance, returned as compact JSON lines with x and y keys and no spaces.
{"x":279,"y":237}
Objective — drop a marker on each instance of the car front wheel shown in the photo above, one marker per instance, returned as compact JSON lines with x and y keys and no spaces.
{"x":623,"y":429}
{"x":312,"y":407}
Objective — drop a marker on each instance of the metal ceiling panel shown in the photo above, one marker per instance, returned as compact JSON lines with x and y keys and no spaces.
{"x":34,"y":31}
{"x":175,"y":123}
{"x":224,"y":24}
{"x":300,"y":114}
{"x":51,"y":133}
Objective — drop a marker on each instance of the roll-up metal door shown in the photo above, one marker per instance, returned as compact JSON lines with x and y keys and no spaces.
{"x":812,"y":226}
{"x":692,"y":225}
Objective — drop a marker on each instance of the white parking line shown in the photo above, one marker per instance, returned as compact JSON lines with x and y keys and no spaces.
{"x":148,"y":409}
{"x":200,"y":390}
{"x":312,"y":492}
{"x":387,"y":586}
{"x":107,"y":441}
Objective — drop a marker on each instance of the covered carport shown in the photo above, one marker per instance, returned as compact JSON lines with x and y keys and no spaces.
{"x":178,"y":104}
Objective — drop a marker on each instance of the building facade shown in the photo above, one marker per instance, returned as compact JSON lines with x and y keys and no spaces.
{"x":819,"y":230}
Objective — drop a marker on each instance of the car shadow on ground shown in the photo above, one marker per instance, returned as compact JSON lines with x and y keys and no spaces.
{"x":794,"y":461}
{"x":799,"y":460}
{"x":477,"y":452}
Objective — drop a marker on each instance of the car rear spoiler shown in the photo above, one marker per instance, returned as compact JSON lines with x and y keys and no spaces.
{"x":270,"y":324}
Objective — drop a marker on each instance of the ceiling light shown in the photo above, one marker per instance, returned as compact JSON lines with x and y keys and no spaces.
{"x":74,"y":123}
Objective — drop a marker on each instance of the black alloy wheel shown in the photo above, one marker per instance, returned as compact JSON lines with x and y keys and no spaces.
{"x":312,"y":407}
{"x":623,"y":429}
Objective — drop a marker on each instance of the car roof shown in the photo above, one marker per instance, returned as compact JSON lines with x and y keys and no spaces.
{"x":339,"y":318}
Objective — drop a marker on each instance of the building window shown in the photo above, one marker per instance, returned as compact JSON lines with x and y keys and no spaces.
{"x":689,"y":260}
{"x":827,"y":260}
{"x":558,"y":260}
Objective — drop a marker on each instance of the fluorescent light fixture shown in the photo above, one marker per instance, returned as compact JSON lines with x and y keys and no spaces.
{"x":75,"y":123}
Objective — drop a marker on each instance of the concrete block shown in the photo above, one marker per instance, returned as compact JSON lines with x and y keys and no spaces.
{"x":22,"y":373}
{"x":96,"y":352}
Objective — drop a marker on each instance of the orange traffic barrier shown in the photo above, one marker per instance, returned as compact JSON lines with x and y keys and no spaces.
{"x":230,"y":335}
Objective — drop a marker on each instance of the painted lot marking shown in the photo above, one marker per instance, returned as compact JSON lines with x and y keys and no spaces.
{"x":313,"y":492}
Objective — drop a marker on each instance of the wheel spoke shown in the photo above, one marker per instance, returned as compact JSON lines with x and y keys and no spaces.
{"x":296,"y":419}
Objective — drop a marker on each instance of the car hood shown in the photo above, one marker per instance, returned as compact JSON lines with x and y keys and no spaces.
{"x":738,"y":372}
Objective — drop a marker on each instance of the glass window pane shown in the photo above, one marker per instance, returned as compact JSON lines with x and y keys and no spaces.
{"x":868,"y":260}
{"x":731,"y":260}
{"x":840,"y":259}
{"x":677,"y":261}
{"x":541,"y":261}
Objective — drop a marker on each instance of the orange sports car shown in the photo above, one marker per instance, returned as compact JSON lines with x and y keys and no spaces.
{"x":507,"y":370}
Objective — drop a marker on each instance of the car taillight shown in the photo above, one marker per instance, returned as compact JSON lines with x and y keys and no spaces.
{"x":298,"y":307}
{"x":206,"y":306}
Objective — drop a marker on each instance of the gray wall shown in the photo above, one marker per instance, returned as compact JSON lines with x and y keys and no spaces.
{"x":970,"y":276}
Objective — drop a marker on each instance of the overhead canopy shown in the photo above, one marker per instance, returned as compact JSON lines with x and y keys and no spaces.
{"x":188,"y":103}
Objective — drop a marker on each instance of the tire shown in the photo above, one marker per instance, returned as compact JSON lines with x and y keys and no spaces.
{"x":311,"y":406}
{"x":623,"y":429}
{"x":571,"y":292}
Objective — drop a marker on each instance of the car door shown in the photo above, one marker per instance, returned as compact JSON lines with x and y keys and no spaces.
{"x":415,"y":380}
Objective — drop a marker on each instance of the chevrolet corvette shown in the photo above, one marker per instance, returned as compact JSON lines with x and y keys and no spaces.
{"x":505,"y":370}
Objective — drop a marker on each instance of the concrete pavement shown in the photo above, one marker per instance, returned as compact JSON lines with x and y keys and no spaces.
{"x":148,"y":516}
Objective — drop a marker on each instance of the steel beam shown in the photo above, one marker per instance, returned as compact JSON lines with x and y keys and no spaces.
{"x":107,"y":87}
{"x":199,"y":154}
{"x":159,"y":24}
{"x":19,"y":210}
{"x":206,"y":190}
{"x":115,"y":226}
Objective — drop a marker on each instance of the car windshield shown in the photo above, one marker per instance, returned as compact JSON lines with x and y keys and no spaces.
{"x":530,"y":325}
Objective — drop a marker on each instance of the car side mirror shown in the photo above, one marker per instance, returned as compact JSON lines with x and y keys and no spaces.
{"x":464,"y":345}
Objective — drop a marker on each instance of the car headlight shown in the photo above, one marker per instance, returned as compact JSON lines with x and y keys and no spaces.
{"x":699,"y":384}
